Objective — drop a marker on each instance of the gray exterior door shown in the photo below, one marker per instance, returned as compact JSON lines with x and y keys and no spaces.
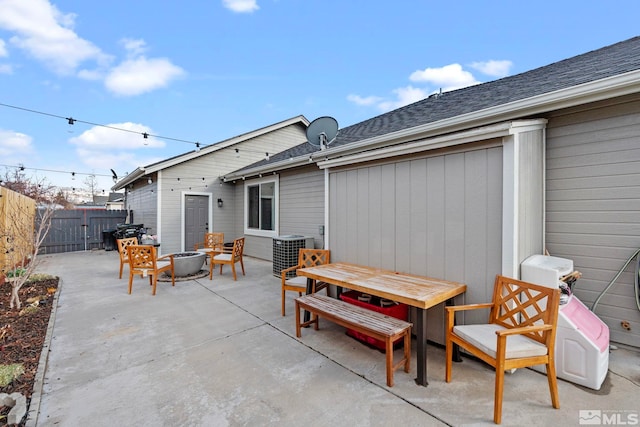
{"x":196,"y":220}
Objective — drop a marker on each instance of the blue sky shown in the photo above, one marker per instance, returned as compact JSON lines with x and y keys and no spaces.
{"x":207,"y":70}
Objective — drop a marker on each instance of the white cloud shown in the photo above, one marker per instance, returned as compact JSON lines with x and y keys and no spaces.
{"x":4,"y":68}
{"x":404,"y":96}
{"x":449,"y":77}
{"x":102,"y":148}
{"x":241,"y":6}
{"x":134,"y":47}
{"x":14,"y":145}
{"x":365,"y":101}
{"x":493,"y":68}
{"x":120,"y":161}
{"x":117,"y":136}
{"x":47,"y":34}
{"x":141,"y":75}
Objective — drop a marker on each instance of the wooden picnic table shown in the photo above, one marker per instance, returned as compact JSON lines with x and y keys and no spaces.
{"x":416,"y":291}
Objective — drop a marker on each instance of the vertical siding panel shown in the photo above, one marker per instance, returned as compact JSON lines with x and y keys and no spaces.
{"x":493,"y":248}
{"x":436,"y":216}
{"x":418,"y":219}
{"x":351,"y":204}
{"x":454,"y":217}
{"x":373,"y":207}
{"x":339,"y":217}
{"x":362,"y":214}
{"x":403,"y":201}
{"x":476,"y":231}
{"x":388,"y":217}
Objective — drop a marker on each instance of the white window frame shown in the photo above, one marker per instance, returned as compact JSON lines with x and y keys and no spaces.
{"x":276,"y":214}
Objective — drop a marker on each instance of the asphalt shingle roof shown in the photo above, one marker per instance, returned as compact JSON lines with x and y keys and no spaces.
{"x":608,"y":61}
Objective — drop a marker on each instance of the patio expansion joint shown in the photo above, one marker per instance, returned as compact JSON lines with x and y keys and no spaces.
{"x":274,"y":327}
{"x":386,"y":389}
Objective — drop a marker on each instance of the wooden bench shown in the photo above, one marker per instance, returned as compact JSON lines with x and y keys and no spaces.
{"x":368,"y":322}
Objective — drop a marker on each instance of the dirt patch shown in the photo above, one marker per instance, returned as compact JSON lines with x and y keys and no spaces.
{"x":23,"y":332}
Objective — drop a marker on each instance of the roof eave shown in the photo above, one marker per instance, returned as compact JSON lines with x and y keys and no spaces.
{"x":130,"y":178}
{"x":598,"y":90}
{"x":290,"y":163}
{"x":223,"y":144}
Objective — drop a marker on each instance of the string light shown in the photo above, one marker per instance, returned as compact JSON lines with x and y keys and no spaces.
{"x":146,"y":135}
{"x":70,"y":120}
{"x":23,"y":168}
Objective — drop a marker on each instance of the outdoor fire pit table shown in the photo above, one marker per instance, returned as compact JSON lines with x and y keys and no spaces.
{"x":187,"y":263}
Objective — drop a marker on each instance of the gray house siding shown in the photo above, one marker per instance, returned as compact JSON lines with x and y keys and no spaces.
{"x":201,"y":173}
{"x":302,"y":203}
{"x":187,"y":178}
{"x":593,"y":205}
{"x":142,"y":200}
{"x":301,"y":210}
{"x":438,"y":216}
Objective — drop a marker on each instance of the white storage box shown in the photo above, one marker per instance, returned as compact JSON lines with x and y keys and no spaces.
{"x":582,"y":339}
{"x":545,"y":270}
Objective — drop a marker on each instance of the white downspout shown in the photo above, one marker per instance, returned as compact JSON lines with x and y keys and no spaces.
{"x":326,"y":209}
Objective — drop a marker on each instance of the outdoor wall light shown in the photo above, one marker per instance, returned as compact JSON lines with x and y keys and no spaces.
{"x":149,"y":181}
{"x":220,"y":203}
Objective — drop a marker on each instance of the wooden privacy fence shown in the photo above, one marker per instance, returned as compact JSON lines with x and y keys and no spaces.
{"x":81,"y":230}
{"x":17,"y":214}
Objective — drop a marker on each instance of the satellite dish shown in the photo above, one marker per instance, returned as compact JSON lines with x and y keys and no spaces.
{"x":322,"y":131}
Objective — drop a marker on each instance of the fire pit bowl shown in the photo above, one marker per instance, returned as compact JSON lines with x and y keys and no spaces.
{"x":187,"y":263}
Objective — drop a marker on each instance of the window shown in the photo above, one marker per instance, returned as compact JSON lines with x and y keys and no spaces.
{"x":261,"y":207}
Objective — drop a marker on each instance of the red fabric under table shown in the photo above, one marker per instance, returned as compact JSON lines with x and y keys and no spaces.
{"x":399,"y":311}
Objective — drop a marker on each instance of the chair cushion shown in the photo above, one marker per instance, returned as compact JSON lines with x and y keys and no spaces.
{"x":484,"y":337}
{"x":162,"y":264}
{"x":205,"y":250}
{"x":223,"y":257}
{"x":297,"y":281}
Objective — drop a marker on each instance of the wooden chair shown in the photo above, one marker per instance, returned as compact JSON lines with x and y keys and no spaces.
{"x":230,"y":257}
{"x":212,"y":245}
{"x":306,"y":258}
{"x":521,"y":332}
{"x":143,"y":260}
{"x":122,"y":250}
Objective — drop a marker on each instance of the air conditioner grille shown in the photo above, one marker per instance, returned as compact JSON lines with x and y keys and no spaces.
{"x":285,"y":252}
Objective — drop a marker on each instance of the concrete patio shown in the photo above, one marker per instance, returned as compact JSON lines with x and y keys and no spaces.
{"x":218,"y":353}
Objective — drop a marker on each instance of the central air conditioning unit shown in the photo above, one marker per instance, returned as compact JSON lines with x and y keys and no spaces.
{"x":285,"y":252}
